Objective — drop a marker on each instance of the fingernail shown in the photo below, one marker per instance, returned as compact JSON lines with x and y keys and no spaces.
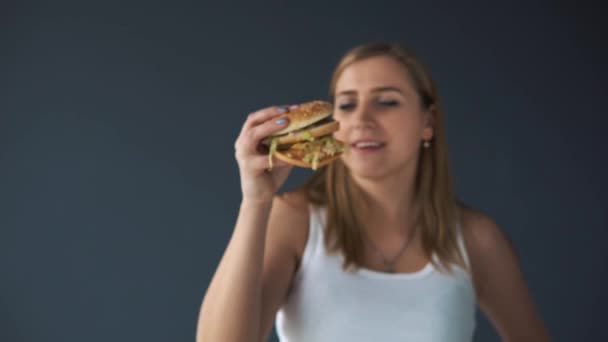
{"x":294,"y":106}
{"x":282,"y":110}
{"x":281,"y":121}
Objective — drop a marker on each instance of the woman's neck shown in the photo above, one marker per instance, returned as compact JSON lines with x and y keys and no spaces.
{"x":390,"y":203}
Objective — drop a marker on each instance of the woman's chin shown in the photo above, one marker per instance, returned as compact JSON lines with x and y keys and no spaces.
{"x":365,"y":170}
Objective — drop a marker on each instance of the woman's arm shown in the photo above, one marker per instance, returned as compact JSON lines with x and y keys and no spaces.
{"x":231,"y":307}
{"x":235,"y":298}
{"x":502,"y":293}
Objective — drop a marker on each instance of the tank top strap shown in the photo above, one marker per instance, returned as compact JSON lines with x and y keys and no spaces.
{"x":461,"y":243}
{"x":314,"y":242}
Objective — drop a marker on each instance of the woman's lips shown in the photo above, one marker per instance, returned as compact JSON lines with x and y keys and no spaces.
{"x":367,"y":145}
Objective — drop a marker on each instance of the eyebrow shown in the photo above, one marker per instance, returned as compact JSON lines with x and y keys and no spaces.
{"x":374,"y":90}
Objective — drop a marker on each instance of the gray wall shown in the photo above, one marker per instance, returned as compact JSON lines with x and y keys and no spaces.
{"x":118,"y":187}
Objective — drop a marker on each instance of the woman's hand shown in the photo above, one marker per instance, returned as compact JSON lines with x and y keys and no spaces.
{"x":259,"y":184}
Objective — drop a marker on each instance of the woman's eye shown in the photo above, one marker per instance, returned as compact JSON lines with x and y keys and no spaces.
{"x":346,"y":106}
{"x":389,"y":103}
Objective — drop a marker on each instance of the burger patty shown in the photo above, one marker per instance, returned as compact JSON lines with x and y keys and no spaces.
{"x":313,"y":152}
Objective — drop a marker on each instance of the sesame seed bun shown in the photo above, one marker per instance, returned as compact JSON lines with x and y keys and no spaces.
{"x":305,"y":115}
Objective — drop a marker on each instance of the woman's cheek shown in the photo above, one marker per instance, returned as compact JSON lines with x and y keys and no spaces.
{"x":339,"y":134}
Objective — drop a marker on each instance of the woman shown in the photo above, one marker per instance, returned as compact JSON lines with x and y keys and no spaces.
{"x":375,"y":247}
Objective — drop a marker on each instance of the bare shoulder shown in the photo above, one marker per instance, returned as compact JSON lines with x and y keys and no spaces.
{"x":286,"y":238}
{"x":289,"y":220}
{"x":501,"y":288}
{"x":488,"y":246}
{"x":291,"y":207}
{"x":481,"y":233}
{"x":295,"y":201}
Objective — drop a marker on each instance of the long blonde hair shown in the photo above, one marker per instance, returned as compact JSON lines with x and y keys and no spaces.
{"x":437,"y":216}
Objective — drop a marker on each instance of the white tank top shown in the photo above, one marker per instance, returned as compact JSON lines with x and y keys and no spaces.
{"x":327,"y":303}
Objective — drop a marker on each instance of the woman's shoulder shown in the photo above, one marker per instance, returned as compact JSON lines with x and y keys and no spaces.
{"x":480,"y":231}
{"x":290,"y":219}
{"x":295,"y":202}
{"x":488,"y":246}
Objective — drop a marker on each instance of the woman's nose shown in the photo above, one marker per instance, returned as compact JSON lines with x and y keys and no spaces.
{"x":363,"y":117}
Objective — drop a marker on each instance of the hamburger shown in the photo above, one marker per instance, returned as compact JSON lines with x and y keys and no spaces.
{"x":308,"y":140}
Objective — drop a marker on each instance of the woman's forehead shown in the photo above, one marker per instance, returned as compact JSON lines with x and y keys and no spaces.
{"x":372,"y":74}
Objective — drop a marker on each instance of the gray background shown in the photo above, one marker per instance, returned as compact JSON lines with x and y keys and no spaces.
{"x":118,"y":187}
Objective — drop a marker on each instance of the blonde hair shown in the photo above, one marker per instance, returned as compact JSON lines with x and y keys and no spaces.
{"x":437,"y":212}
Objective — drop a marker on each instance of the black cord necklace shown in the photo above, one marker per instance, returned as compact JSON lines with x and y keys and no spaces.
{"x":389,"y":263}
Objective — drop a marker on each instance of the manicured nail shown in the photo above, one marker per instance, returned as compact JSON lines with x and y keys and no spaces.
{"x":294,"y":106}
{"x":281,"y":121}
{"x":282,"y":110}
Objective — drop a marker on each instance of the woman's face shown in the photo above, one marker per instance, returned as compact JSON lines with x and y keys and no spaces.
{"x":381,"y":117}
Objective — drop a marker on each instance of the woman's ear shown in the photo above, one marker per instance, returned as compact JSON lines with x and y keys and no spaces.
{"x":428,"y":131}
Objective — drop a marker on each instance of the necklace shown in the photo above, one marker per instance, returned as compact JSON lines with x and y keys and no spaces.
{"x":389,"y":263}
